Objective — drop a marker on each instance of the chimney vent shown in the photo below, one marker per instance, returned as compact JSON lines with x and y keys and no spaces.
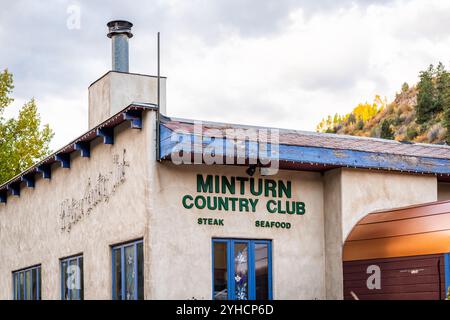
{"x":119,"y":32}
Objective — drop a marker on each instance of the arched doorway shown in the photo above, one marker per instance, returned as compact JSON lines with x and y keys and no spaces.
{"x":399,"y":254}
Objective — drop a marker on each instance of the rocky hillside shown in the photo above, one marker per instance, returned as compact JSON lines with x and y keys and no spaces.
{"x":419,"y":113}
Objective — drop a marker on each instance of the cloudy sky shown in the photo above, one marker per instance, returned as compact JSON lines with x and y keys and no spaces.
{"x":283,"y":63}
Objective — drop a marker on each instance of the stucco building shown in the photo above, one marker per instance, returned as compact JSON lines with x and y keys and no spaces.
{"x":134,"y":209}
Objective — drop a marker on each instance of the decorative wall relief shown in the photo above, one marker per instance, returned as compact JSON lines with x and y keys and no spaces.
{"x":97,"y":191}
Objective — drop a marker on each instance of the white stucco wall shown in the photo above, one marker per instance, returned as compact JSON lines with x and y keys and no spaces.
{"x":116,"y":90}
{"x":307,"y":259}
{"x":181,"y":249}
{"x":365,"y":191}
{"x":350,"y":194}
{"x":333,"y":233}
{"x":30,"y":227}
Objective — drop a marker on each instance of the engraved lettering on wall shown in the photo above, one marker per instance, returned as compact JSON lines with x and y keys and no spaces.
{"x":97,"y":191}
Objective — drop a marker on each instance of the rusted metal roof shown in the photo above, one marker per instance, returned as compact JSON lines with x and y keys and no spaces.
{"x":326,"y":140}
{"x":300,"y":150}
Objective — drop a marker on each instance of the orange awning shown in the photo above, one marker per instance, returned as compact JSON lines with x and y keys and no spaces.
{"x":409,"y":231}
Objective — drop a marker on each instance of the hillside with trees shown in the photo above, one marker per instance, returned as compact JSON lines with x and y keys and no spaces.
{"x":420,"y":113}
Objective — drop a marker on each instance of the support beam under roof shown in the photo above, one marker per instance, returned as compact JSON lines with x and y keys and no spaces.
{"x":107,"y":134}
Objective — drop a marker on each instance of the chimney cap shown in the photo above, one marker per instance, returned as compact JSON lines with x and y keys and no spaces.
{"x":119,"y":27}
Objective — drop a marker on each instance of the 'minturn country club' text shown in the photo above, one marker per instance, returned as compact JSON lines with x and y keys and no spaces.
{"x":221,"y":193}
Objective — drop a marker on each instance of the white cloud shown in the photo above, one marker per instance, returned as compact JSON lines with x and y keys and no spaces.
{"x":230,"y":61}
{"x":312,"y":67}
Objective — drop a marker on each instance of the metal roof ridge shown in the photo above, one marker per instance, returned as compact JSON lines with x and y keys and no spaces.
{"x":312,"y":133}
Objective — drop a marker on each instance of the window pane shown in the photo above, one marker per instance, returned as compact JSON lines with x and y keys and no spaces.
{"x":130,"y":275}
{"x":117,"y":274}
{"x":74,"y":283}
{"x":261,"y":271}
{"x":80,"y":262}
{"x":39,"y":283}
{"x":140,"y":262}
{"x":241,"y":271}
{"x":220,"y":271}
{"x":16,"y":286}
{"x":64,"y":278}
{"x":28,"y":284}
{"x":22,"y":287}
{"x":34,"y":284}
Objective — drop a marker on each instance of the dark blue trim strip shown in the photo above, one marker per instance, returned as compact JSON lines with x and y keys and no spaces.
{"x":318,"y":155}
{"x":29,"y":180}
{"x":46,"y":171}
{"x":3,"y":196}
{"x":135,"y":117}
{"x":447,"y":274}
{"x":107,"y":134}
{"x":64,"y":158}
{"x":14,"y":188}
{"x":84,"y":147}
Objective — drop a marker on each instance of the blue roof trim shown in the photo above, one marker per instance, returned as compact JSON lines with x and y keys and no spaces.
{"x":132,"y":113}
{"x":324,"y":156}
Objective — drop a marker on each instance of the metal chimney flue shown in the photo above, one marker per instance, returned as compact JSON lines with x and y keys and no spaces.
{"x":120,"y":32}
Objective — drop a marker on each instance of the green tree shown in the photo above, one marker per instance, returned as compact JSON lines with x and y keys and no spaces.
{"x":405,"y":87}
{"x":446,"y":110}
{"x":425,"y":96}
{"x":442,"y":79}
{"x":386,"y":132}
{"x":22,"y":140}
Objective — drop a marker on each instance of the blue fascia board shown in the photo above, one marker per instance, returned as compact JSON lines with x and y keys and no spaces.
{"x":3,"y":196}
{"x":318,"y":155}
{"x":29,"y":180}
{"x":107,"y":134}
{"x":135,"y":117}
{"x":133,"y":113}
{"x":64,"y":159}
{"x":447,"y":274}
{"x":84,"y":147}
{"x":14,"y":188}
{"x":46,"y":171}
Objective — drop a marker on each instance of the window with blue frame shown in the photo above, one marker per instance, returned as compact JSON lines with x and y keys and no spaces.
{"x":72,"y":287}
{"x":27,"y":284}
{"x":128,"y":271}
{"x":242,"y":269}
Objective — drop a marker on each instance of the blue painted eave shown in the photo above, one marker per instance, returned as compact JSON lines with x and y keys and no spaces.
{"x":105,"y":130}
{"x":294,"y":156}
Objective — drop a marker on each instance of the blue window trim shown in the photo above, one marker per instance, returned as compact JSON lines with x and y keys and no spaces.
{"x":122,"y":263}
{"x":251,"y":266}
{"x":68,"y":260}
{"x":447,"y":273}
{"x":16,"y":282}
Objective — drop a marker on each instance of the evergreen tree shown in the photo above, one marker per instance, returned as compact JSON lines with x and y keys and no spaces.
{"x":442,"y":79}
{"x":22,"y":141}
{"x":386,"y":132}
{"x":446,"y":108}
{"x":425,"y":96}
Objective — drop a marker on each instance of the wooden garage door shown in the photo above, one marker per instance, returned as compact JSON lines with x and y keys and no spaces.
{"x":418,"y":278}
